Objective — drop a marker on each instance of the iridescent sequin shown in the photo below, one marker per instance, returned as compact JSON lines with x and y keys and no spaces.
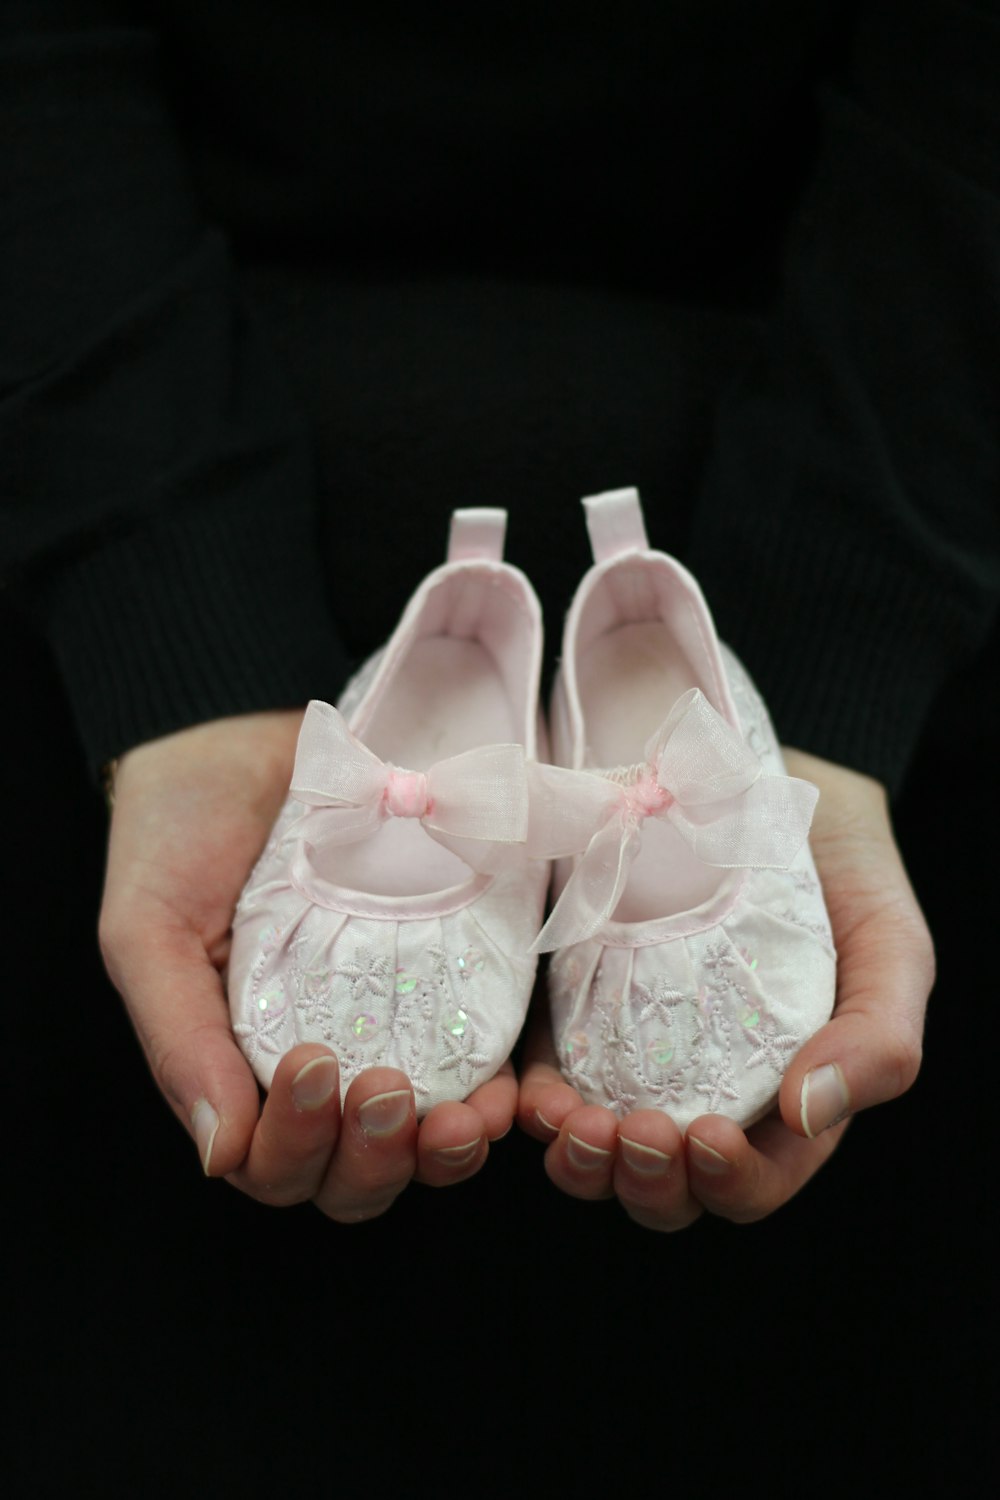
{"x":750,"y":962}
{"x":364,"y":1025}
{"x":750,"y":1018}
{"x":660,"y":1052}
{"x":470,"y":962}
{"x":406,"y":983}
{"x":316,"y":982}
{"x":271,"y":998}
{"x":457,"y":1022}
{"x":577,"y":1045}
{"x":268,"y":938}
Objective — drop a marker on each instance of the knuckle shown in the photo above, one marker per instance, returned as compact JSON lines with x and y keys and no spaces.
{"x":112,"y":937}
{"x":275,"y":1195}
{"x":755,"y":1207}
{"x":748,"y":1215}
{"x":166,"y":1074}
{"x":907,"y":936}
{"x":926,"y":956}
{"x":902,"y":1058}
{"x":170,"y":1060}
{"x":357,"y":1213}
{"x":660,"y":1223}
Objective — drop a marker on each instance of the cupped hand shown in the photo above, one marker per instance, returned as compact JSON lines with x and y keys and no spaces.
{"x":867,"y":1053}
{"x":192,"y":813}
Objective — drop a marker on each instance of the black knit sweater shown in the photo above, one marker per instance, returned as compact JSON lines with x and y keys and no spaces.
{"x":278,"y":289}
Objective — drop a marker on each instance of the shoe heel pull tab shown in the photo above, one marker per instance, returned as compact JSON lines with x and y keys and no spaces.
{"x":615,"y":524}
{"x":477,"y":532}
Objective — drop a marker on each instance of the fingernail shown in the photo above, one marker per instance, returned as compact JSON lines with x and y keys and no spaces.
{"x":459,"y":1156}
{"x":825,"y":1100}
{"x":546,"y":1124}
{"x":314,"y":1084}
{"x":205,"y":1124}
{"x":707,"y":1160}
{"x":384,"y":1114}
{"x":645,"y":1160}
{"x":585,"y":1156}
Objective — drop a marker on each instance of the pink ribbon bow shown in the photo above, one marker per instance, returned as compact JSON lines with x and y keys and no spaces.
{"x":481,"y":795}
{"x":702,"y":777}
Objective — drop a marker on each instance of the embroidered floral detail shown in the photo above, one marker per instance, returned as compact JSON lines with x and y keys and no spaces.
{"x":771,"y":1047}
{"x":576,"y":1053}
{"x":659,"y":1001}
{"x":265,"y":1033}
{"x":750,"y":710}
{"x":818,"y":930}
{"x":717,"y":1084}
{"x":621,"y":1099}
{"x":719,"y":959}
{"x":316,"y":983}
{"x":368,"y":973}
{"x":462,"y":1053}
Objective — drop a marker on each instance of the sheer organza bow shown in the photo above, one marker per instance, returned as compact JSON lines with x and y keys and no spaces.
{"x":469,"y":802}
{"x":701,"y":776}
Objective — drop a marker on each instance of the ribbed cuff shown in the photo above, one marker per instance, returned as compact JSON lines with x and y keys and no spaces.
{"x":180,"y":623}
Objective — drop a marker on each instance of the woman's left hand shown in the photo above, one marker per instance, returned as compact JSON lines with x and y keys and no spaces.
{"x":867,"y":1053}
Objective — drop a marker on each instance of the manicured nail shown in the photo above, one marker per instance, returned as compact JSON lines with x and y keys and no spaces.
{"x":459,"y":1156}
{"x":824,"y":1101}
{"x":205,"y":1124}
{"x":384,"y":1114}
{"x":645,"y":1160}
{"x":585,"y":1156}
{"x":707,"y":1160}
{"x":314,"y":1084}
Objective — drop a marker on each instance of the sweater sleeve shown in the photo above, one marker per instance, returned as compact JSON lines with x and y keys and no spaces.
{"x":848,"y":533}
{"x":158,"y":480}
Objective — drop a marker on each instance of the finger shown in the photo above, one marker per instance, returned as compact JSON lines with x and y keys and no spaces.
{"x":496,"y":1101}
{"x":744,"y":1179}
{"x":581,"y":1161}
{"x":650,"y":1175}
{"x":297,"y":1131}
{"x":177,"y":1004}
{"x":870,"y":1050}
{"x":545,"y":1100}
{"x":377,"y":1149}
{"x":451,"y":1145}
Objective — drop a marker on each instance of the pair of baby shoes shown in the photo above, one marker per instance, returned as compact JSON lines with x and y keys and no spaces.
{"x":396,"y":914}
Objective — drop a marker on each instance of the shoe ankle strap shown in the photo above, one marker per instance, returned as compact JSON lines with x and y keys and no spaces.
{"x":615,"y":524}
{"x":477,"y":532}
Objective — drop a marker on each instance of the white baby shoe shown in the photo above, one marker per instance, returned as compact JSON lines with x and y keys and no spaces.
{"x":392,"y":912}
{"x":694,"y":954}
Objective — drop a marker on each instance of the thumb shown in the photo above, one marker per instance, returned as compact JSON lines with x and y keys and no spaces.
{"x":177,"y":1004}
{"x":870,"y":1050}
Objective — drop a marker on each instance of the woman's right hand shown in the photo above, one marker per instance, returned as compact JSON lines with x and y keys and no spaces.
{"x":192,"y":813}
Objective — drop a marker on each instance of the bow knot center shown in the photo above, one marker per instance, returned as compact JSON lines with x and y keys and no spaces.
{"x":646,"y":797}
{"x":406,"y":794}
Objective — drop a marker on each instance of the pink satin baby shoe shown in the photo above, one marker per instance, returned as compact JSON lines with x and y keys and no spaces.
{"x":693,"y":950}
{"x":392,"y":912}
